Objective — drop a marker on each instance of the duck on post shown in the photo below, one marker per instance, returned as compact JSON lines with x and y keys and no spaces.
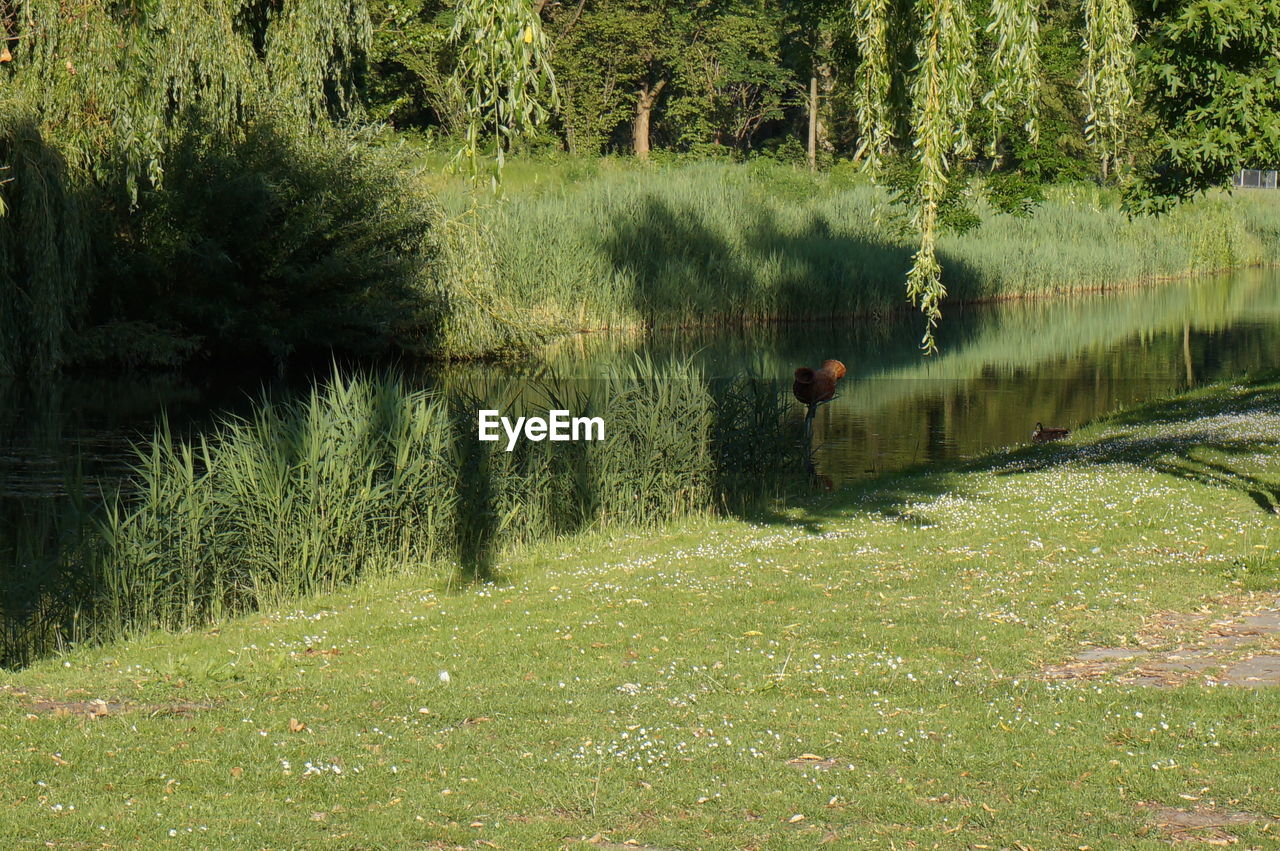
{"x":814,"y":386}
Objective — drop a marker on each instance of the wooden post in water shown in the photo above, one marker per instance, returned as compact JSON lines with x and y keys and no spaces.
{"x":813,"y":387}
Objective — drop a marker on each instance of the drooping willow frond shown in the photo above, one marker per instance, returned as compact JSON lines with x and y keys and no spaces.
{"x":1109,"y":33}
{"x":1015,"y":67}
{"x":118,"y":80}
{"x":95,"y":93}
{"x":872,"y":81}
{"x":941,"y":100}
{"x":309,"y":50}
{"x":503,"y":76}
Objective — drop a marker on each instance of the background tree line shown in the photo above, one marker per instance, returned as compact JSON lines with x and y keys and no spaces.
{"x":212,"y":180}
{"x":732,"y":78}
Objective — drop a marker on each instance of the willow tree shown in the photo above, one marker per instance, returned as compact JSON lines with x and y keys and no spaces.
{"x":941,"y":69}
{"x":95,"y":94}
{"x":503,"y":77}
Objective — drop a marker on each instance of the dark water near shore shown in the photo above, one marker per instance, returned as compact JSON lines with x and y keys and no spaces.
{"x":1002,"y":368}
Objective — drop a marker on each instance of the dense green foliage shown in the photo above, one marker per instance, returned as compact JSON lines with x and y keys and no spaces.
{"x":174,"y":181}
{"x":1212,"y":73}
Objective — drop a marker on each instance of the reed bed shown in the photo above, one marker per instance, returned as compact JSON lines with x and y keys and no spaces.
{"x":713,"y":243}
{"x":365,"y":476}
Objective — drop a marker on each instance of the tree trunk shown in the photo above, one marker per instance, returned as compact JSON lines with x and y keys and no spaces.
{"x":826,"y":85}
{"x":644,"y":109}
{"x":813,"y":123}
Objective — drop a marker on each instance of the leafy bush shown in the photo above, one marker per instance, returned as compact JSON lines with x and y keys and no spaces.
{"x":276,"y":243}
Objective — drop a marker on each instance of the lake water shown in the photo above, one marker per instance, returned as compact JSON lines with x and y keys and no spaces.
{"x":1002,"y":367}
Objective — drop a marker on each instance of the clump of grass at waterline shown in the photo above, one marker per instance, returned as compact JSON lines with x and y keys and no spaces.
{"x":365,"y":476}
{"x":714,"y":243}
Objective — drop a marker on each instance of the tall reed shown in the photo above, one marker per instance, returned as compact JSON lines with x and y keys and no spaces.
{"x":715,"y":243}
{"x":364,"y":475}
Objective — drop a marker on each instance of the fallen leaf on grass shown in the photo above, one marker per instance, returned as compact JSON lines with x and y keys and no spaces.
{"x":795,"y":819}
{"x":296,"y":726}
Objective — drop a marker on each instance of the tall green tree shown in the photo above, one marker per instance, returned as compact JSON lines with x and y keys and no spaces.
{"x":604,"y":54}
{"x":730,"y":80}
{"x":104,"y":105}
{"x":1210,"y":70}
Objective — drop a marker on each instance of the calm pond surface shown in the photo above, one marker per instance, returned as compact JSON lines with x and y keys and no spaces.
{"x":1002,"y":368}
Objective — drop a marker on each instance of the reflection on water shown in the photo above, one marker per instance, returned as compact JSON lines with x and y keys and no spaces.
{"x":1003,"y":367}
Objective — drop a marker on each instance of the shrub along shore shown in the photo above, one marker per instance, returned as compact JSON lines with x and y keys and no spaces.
{"x":599,"y":244}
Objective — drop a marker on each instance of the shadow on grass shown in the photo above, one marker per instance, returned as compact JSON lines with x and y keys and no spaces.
{"x":686,"y":268}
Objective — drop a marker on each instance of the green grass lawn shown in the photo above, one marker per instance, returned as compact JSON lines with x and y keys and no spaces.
{"x":861,"y":668}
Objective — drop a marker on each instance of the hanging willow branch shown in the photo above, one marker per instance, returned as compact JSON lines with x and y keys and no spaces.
{"x":1015,"y":67}
{"x":941,"y":100}
{"x":942,"y":97}
{"x":503,"y":76}
{"x":1109,"y":32}
{"x":873,"y":80}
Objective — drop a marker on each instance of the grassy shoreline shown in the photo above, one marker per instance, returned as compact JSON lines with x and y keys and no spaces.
{"x":862,"y":668}
{"x":907,"y":309}
{"x":621,"y":248}
{"x":365,"y":475}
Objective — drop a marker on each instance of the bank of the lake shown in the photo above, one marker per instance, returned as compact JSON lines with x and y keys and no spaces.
{"x":590,"y":245}
{"x":340,"y":478}
{"x":898,"y":662}
{"x":361,"y":475}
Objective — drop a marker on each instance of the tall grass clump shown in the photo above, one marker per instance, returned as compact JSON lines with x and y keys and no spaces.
{"x":301,"y":496}
{"x":365,"y":476}
{"x":715,"y":243}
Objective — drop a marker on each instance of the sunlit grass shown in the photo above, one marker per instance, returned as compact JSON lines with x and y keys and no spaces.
{"x":592,"y":245}
{"x":858,"y":668}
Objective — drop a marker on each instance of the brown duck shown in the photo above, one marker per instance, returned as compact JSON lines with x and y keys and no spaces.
{"x":818,"y":385}
{"x":1044,"y":435}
